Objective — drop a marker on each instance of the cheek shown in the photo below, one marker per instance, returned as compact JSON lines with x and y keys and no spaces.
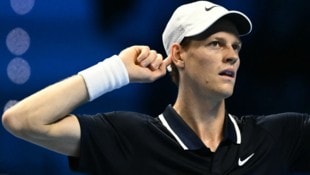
{"x":202,"y":69}
{"x":205,"y":65}
{"x":237,"y":65}
{"x":199,"y":59}
{"x":200,"y":64}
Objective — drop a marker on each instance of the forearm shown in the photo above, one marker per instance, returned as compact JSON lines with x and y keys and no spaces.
{"x":43,"y":118}
{"x":46,"y":106}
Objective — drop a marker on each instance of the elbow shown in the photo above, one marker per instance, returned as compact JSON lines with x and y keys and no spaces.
{"x":11,"y":123}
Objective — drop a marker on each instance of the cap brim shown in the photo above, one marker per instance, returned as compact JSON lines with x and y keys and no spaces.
{"x":241,"y":21}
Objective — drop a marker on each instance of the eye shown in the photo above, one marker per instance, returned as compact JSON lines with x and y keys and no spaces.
{"x":237,"y":47}
{"x":214,"y":44}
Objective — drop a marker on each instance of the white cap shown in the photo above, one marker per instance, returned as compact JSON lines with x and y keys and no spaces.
{"x":193,"y":18}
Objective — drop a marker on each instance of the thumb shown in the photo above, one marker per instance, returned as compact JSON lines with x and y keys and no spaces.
{"x":166,"y":62}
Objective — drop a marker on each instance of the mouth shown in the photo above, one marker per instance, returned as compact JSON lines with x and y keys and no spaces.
{"x":227,"y":73}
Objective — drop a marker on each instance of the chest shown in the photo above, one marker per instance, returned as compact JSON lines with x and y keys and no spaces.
{"x":257,"y":154}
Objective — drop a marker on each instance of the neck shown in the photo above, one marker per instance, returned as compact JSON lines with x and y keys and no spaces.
{"x":204,"y":117}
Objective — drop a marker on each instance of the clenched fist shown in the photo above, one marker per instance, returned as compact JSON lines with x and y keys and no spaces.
{"x":144,"y":64}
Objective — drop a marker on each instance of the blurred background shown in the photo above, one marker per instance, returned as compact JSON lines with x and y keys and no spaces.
{"x":42,"y":42}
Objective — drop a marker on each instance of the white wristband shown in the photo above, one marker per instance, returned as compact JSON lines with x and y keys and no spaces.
{"x":105,"y":76}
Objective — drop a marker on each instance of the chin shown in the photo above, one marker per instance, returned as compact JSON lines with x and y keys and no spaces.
{"x":223,"y":94}
{"x":227,"y":93}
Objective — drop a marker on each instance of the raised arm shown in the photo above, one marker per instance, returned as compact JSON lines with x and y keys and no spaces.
{"x":44,"y":118}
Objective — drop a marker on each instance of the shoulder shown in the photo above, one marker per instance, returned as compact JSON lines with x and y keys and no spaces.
{"x":115,"y":118}
{"x":128,"y":117}
{"x":288,"y":122}
{"x":279,"y":118}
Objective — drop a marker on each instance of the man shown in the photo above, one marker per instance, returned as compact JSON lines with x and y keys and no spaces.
{"x":195,"y":135}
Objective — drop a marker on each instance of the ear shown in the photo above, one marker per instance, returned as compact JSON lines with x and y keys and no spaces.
{"x":176,"y":55}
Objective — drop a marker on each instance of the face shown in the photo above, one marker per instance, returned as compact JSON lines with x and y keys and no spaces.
{"x":210,"y":66}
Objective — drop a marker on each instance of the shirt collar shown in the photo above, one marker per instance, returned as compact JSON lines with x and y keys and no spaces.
{"x":186,"y":137}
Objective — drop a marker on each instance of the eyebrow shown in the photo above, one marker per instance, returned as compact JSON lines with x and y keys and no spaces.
{"x":238,"y":41}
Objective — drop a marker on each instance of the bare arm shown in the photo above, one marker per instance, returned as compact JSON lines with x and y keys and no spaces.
{"x":44,"y":117}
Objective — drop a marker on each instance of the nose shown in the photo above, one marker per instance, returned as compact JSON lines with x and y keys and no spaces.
{"x":232,"y":56}
{"x":231,"y":60}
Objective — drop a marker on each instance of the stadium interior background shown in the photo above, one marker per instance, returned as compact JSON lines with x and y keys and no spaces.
{"x":42,"y":42}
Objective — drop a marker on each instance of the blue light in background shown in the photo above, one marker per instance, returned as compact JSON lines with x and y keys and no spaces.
{"x":42,"y":42}
{"x":56,"y":39}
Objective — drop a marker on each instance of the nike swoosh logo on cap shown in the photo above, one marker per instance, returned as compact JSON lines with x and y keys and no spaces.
{"x":208,"y":9}
{"x":242,"y":162}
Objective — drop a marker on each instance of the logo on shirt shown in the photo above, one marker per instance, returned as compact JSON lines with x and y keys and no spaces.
{"x":242,"y":162}
{"x":208,"y":9}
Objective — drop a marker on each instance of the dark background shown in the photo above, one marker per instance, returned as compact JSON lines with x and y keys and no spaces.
{"x":68,"y":36}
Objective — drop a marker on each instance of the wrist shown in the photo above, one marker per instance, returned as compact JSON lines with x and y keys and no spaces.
{"x":105,"y":76}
